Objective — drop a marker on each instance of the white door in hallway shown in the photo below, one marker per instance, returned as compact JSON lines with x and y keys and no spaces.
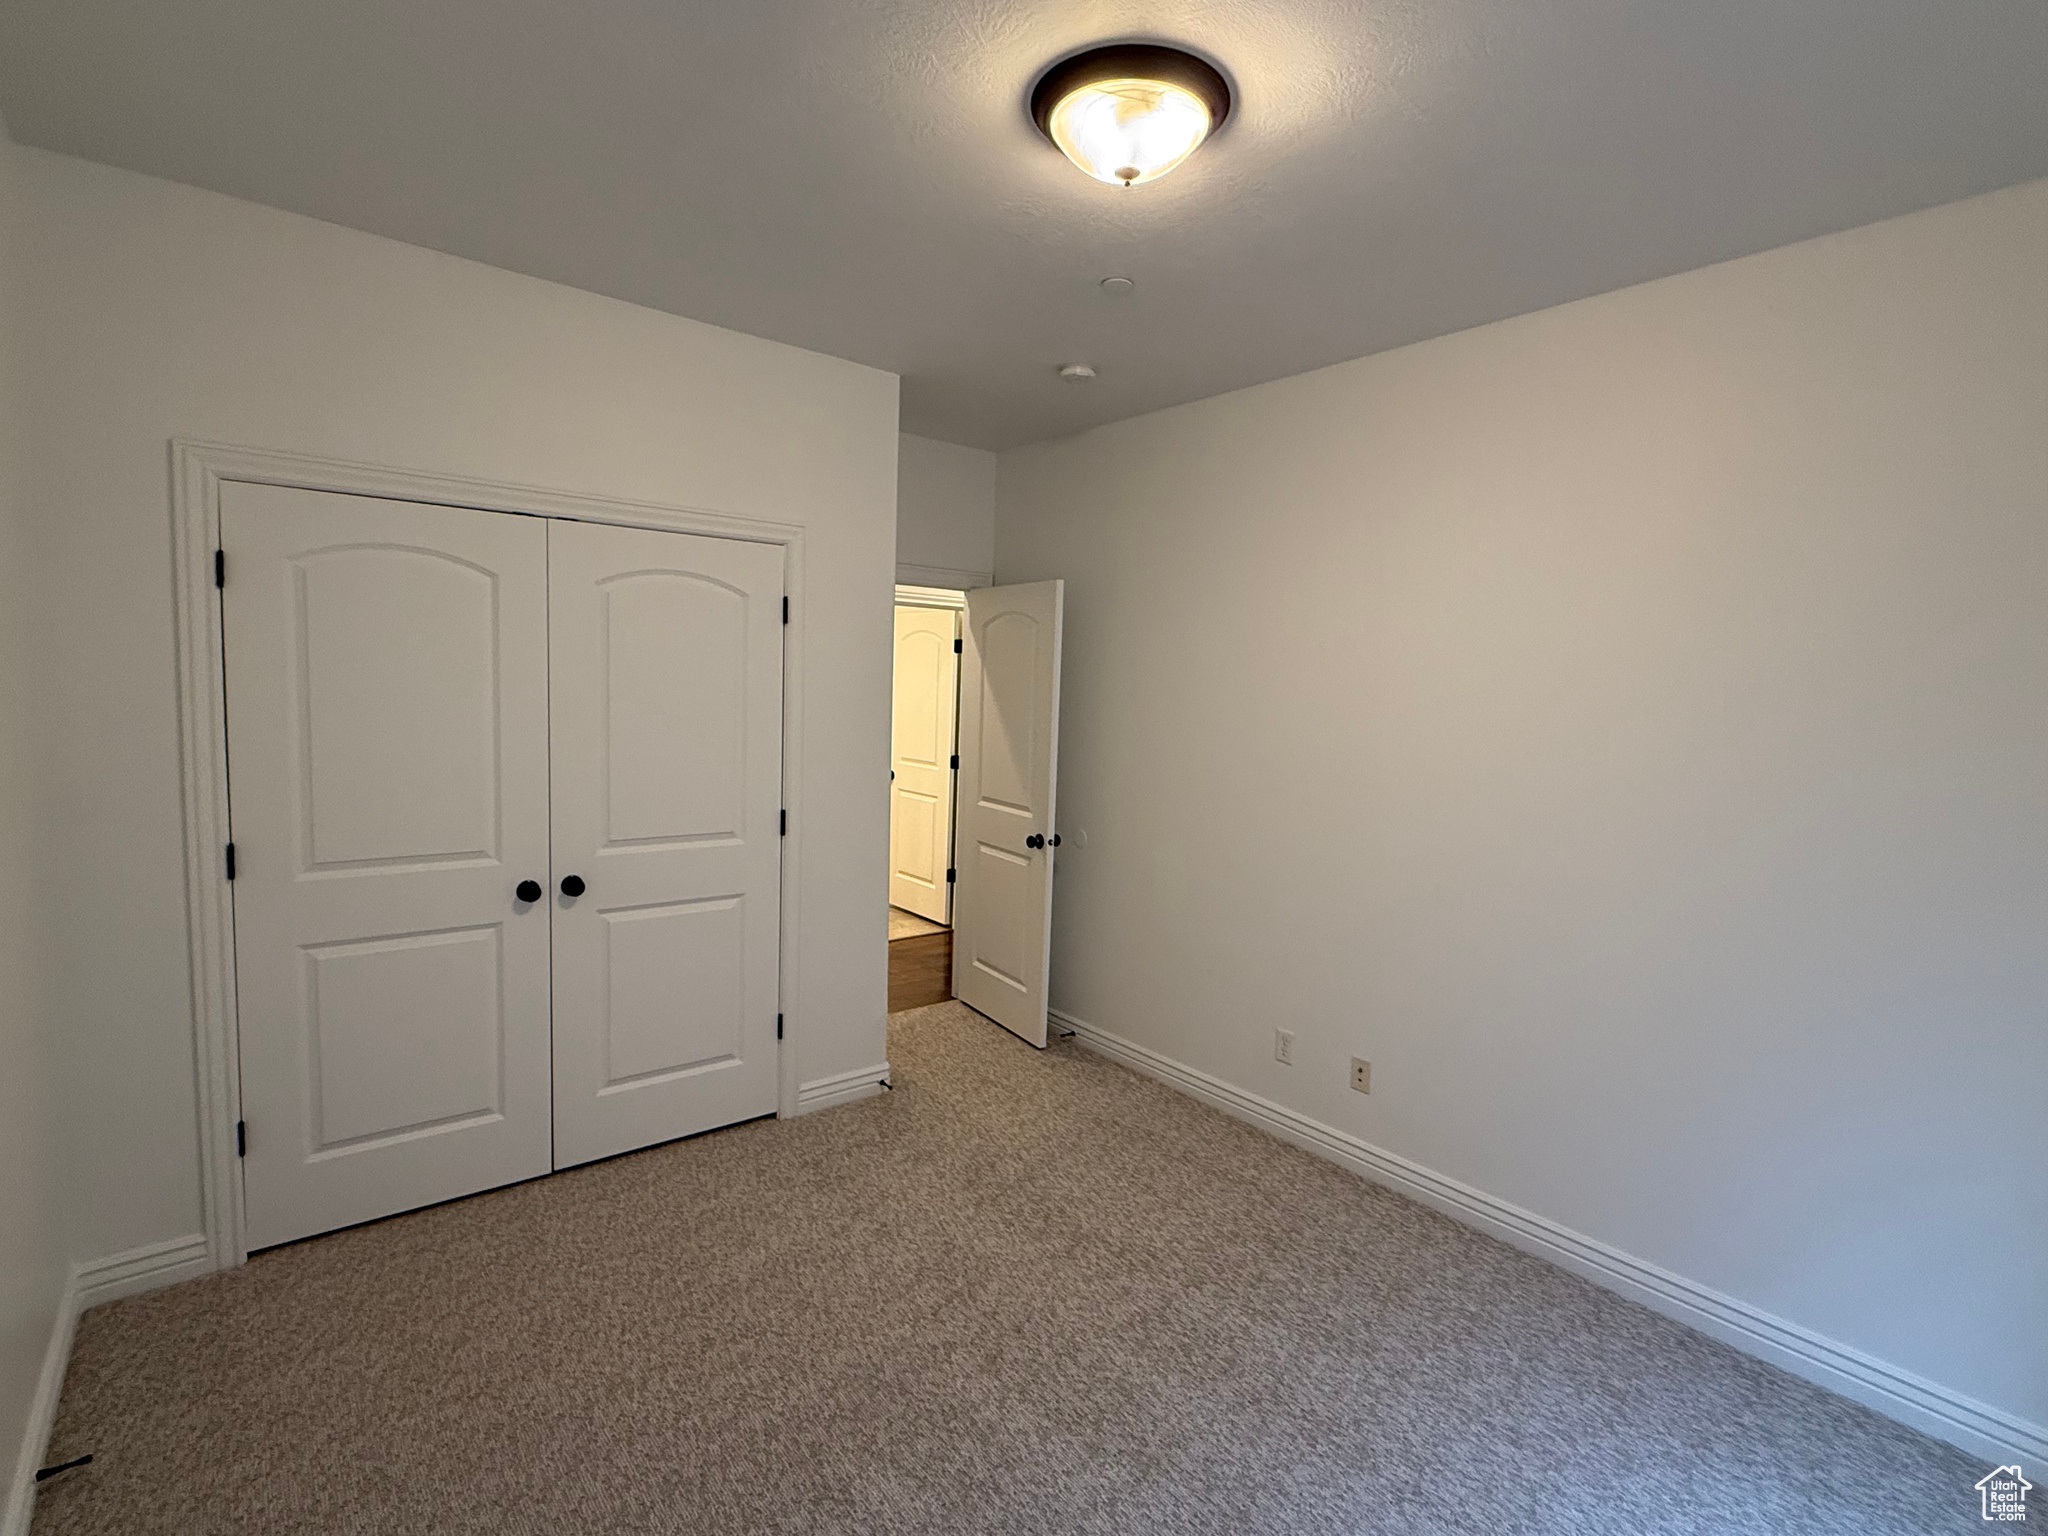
{"x":924,"y":708}
{"x":667,"y":729}
{"x":1009,"y":756}
{"x":387,"y":683}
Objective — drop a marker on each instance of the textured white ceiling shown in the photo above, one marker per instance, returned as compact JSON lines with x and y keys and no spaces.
{"x":859,"y":176}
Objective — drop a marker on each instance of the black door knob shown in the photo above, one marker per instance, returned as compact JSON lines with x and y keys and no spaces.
{"x":572,"y":885}
{"x":1035,"y":840}
{"x":529,"y":890}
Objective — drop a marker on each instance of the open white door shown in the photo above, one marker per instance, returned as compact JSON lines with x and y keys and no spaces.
{"x":1009,"y":751}
{"x":666,"y":720}
{"x":921,"y":767}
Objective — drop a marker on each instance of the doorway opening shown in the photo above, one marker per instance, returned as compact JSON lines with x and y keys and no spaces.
{"x":973,"y":771}
{"x":923,"y":766}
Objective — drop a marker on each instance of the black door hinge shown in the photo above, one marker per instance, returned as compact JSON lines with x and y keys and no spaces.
{"x":231,"y":861}
{"x":785,"y":610}
{"x":956,"y":759}
{"x":785,"y":823}
{"x":220,"y":567}
{"x":778,"y":1026}
{"x":241,"y":1138}
{"x":956,"y":645}
{"x":950,"y":874}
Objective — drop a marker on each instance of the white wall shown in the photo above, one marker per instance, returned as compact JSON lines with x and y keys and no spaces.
{"x":1626,"y":725}
{"x":31,"y":1266}
{"x":162,"y":312}
{"x":945,"y":513}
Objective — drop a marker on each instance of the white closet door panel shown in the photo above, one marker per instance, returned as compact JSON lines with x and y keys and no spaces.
{"x":399,"y":718}
{"x":675,"y":732}
{"x":427,"y":1000}
{"x":1009,"y":759}
{"x":921,"y":771}
{"x":666,"y":658}
{"x":387,"y":744}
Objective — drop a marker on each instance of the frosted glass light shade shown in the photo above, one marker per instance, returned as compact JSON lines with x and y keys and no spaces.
{"x":1129,"y":131}
{"x":1127,"y":113}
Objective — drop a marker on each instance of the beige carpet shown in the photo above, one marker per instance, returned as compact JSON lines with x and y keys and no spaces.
{"x":1024,"y":1293}
{"x":908,"y":925}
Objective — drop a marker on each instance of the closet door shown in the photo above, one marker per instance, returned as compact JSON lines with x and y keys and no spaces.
{"x":387,"y":751}
{"x":666,"y":722}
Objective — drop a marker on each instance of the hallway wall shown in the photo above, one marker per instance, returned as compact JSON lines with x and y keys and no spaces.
{"x":945,"y":513}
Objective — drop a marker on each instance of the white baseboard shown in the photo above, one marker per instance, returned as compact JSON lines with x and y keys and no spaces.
{"x":99,"y":1280}
{"x":42,"y":1415}
{"x":861,"y":1083}
{"x":142,"y":1269}
{"x":1977,"y":1427}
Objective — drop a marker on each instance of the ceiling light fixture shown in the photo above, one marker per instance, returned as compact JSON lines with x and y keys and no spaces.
{"x":1075,"y":373}
{"x":1130,"y":112}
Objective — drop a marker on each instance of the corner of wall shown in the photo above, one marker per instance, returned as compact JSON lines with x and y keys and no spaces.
{"x":35,"y":1314}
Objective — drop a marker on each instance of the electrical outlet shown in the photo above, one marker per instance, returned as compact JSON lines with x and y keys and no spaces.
{"x":1283,"y":1046}
{"x":1361,"y":1075}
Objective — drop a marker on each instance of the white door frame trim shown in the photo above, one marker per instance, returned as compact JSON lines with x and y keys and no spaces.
{"x":197,"y":472}
{"x":908,"y":596}
{"x":941,"y":576}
